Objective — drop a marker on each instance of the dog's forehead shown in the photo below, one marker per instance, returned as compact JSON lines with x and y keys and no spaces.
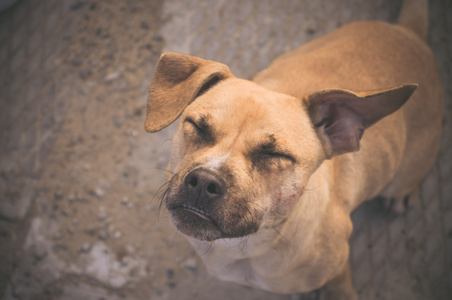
{"x":241,"y":117}
{"x":237,"y":102}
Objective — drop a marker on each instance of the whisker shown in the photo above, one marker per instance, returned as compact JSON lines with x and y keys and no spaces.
{"x":250,"y":214}
{"x":161,"y":203}
{"x":313,"y":188}
{"x":323,"y":183}
{"x":279,"y":233}
{"x":156,"y":193}
{"x":174,"y":238}
{"x":164,"y":170}
{"x":163,"y":191}
{"x":207,"y":250}
{"x":245,"y":238}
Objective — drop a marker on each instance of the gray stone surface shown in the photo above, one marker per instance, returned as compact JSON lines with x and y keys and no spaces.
{"x":16,"y":199}
{"x":79,"y":178}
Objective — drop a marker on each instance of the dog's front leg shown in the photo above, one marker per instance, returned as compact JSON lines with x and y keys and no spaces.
{"x":340,"y":287}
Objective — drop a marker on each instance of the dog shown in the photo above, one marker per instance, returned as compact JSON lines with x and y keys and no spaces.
{"x":267,"y":171}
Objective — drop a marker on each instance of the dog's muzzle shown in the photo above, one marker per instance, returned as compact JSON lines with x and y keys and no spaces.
{"x":207,"y":207}
{"x":202,"y":188}
{"x":200,"y":197}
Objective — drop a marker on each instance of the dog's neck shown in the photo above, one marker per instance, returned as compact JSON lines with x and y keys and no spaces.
{"x":270,"y":251}
{"x":247,"y":255}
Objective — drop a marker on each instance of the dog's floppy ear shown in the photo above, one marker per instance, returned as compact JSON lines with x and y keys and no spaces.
{"x":340,"y":117}
{"x":178,"y":80}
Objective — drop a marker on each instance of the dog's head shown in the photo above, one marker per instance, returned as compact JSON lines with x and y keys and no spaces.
{"x":242,"y":154}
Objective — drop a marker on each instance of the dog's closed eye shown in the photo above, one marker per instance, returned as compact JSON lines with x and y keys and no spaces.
{"x":269,"y":156}
{"x":272,"y":161}
{"x":202,"y":129}
{"x":276,"y":155}
{"x":269,"y":149}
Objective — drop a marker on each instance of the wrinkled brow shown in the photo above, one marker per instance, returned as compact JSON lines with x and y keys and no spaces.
{"x":267,"y":144}
{"x":270,"y":146}
{"x":205,"y":128}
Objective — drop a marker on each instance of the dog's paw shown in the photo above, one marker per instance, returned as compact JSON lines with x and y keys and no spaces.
{"x":400,"y":205}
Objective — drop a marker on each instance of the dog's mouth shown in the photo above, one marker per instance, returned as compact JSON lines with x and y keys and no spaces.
{"x":197,"y":212}
{"x":195,"y":222}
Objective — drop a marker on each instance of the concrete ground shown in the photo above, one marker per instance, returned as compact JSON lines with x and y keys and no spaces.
{"x":79,"y":218}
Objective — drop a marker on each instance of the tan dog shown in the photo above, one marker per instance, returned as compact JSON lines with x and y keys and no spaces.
{"x":270,"y":169}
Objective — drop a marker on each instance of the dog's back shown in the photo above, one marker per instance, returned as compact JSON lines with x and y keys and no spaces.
{"x":366,"y":56}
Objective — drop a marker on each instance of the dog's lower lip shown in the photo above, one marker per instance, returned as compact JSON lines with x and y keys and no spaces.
{"x":199,"y":212}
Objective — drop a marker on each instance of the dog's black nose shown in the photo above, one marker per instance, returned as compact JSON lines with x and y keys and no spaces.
{"x":204,"y":185}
